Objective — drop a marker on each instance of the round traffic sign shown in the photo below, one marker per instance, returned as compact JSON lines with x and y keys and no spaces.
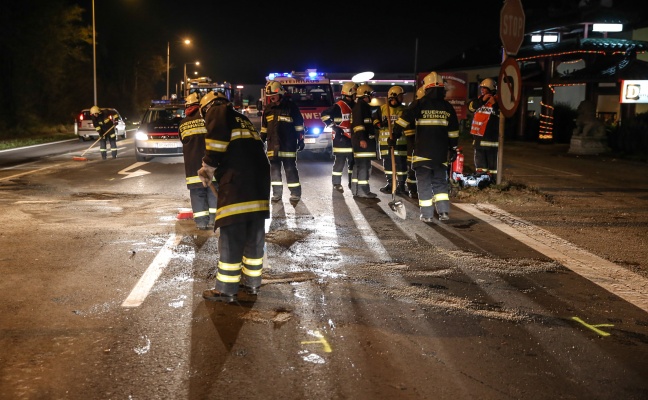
{"x":509,"y":87}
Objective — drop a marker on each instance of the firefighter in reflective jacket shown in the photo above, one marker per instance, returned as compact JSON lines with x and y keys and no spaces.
{"x":396,"y":107}
{"x":410,"y":135}
{"x":235,"y":156}
{"x":485,"y":128}
{"x":192,"y":134}
{"x":282,"y":126}
{"x":105,"y":127}
{"x":364,"y":141}
{"x":338,"y":117}
{"x":437,"y":131}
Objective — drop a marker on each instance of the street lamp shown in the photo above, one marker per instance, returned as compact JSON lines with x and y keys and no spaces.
{"x":184,"y":93}
{"x":94,"y":54}
{"x":186,"y":41}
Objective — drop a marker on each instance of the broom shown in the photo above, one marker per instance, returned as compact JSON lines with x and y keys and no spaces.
{"x":81,"y":157}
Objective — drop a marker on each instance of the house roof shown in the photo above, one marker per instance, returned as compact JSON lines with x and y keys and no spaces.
{"x":609,"y":69}
{"x":577,"y":47}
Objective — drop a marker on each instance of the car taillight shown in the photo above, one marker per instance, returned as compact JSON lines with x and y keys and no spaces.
{"x":81,"y":117}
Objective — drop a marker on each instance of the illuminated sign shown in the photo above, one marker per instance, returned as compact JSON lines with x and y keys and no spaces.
{"x":634,"y":92}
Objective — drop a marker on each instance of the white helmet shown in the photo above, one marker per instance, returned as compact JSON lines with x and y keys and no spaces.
{"x":349,"y":89}
{"x":395,"y":91}
{"x":192,"y":99}
{"x":364,"y":90}
{"x":95,"y":110}
{"x":274,"y":87}
{"x":489,"y":84}
{"x":420,"y":92}
{"x":432,"y":80}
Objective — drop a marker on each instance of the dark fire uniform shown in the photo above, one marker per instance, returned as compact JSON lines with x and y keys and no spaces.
{"x":282,"y":126}
{"x":235,"y":149}
{"x":338,"y":116}
{"x":105,"y":127}
{"x":192,"y":134}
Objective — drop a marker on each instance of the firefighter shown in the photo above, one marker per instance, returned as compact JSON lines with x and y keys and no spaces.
{"x":338,"y":117}
{"x":410,"y":135}
{"x":235,"y":157}
{"x":485,"y":129}
{"x":396,"y":107}
{"x":363,"y":139}
{"x":282,"y":126}
{"x":192,"y":134}
{"x":437,"y":131}
{"x":105,"y":127}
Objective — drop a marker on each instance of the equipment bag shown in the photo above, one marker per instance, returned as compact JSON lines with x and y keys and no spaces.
{"x":480,"y":120}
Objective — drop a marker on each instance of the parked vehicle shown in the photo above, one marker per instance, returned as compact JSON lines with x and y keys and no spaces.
{"x":252,"y":110}
{"x":85,"y":130}
{"x":157,"y":135}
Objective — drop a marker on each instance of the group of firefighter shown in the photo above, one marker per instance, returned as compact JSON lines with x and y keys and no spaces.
{"x":422,"y":136}
{"x":231,"y":169}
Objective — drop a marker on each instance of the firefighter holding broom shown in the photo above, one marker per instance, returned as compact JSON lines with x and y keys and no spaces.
{"x":105,"y":127}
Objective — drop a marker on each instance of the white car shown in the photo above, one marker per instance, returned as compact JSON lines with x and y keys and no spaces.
{"x":85,"y":130}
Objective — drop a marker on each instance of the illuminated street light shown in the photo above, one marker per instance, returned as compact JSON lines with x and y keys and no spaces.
{"x":94,"y":54}
{"x":185,"y":77}
{"x":186,"y":41}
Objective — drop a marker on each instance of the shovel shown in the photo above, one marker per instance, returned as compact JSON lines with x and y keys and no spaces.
{"x":396,"y":206}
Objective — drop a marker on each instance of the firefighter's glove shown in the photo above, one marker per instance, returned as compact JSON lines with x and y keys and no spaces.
{"x":300,"y":145}
{"x":452,"y":153}
{"x":206,"y":174}
{"x":391,"y":142}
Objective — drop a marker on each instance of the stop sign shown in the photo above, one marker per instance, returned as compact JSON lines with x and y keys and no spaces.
{"x":512,"y":26}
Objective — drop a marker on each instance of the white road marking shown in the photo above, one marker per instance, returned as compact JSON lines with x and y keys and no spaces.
{"x":26,"y":173}
{"x":133,"y":174}
{"x":617,"y":280}
{"x":146,"y":282}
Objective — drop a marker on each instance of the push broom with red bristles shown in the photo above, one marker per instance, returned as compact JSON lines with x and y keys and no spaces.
{"x":81,"y":157}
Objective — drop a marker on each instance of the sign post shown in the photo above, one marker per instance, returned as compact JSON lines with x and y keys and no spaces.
{"x":509,"y":82}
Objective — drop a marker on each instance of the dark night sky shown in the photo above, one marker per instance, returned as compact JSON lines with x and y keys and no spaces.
{"x":242,"y":41}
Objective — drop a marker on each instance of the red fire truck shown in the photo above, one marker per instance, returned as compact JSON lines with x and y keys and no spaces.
{"x":311,"y":91}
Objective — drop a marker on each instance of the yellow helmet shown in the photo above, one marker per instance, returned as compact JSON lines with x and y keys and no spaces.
{"x":364,"y":90}
{"x":420,"y":93}
{"x":192,"y":99}
{"x":432,"y":80}
{"x":274,"y":87}
{"x":210,"y":97}
{"x":349,"y":89}
{"x":95,"y":110}
{"x":395,"y":91}
{"x":489,"y":84}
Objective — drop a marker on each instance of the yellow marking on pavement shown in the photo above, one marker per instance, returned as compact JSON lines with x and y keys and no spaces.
{"x":321,"y":340}
{"x":146,"y":282}
{"x":594,"y":327}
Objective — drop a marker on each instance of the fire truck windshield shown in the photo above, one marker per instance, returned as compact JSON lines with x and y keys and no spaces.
{"x":315,"y":95}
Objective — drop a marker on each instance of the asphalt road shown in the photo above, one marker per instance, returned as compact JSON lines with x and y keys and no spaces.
{"x":534,"y":294}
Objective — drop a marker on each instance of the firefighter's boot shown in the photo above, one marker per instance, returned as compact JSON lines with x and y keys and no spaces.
{"x":412,"y":190}
{"x":401,"y":188}
{"x":387,"y":188}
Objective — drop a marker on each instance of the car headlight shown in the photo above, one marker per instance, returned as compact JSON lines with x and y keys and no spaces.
{"x":141,"y":135}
